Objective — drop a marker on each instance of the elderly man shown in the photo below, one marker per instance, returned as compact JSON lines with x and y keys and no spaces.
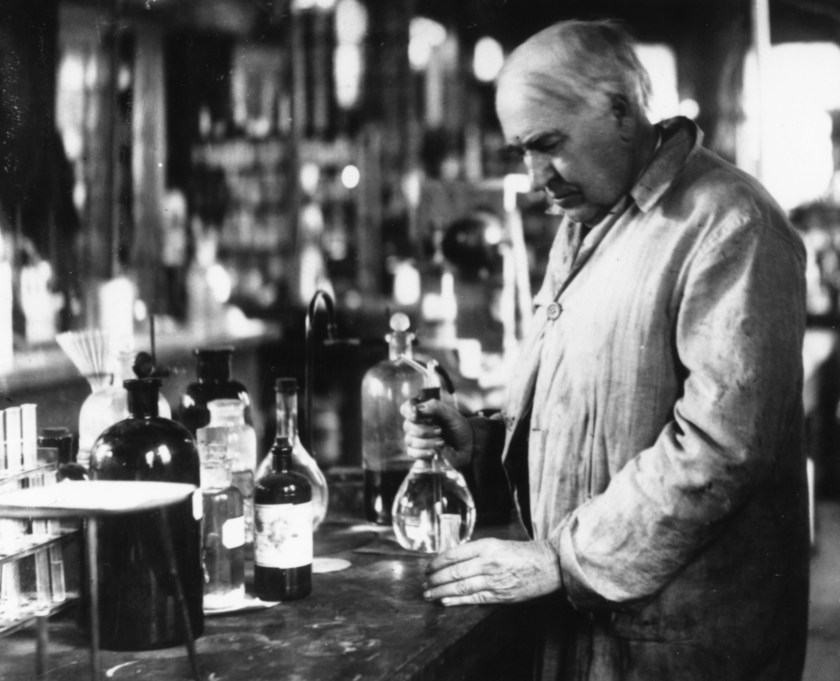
{"x":652,"y":433}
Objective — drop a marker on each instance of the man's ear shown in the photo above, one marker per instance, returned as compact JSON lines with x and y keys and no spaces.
{"x":620,"y":111}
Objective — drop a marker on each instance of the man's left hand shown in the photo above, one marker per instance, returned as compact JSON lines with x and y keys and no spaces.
{"x":492,"y":571}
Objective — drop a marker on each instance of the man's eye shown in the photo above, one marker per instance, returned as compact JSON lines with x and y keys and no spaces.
{"x":546,"y":145}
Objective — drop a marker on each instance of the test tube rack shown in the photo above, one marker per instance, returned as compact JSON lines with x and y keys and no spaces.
{"x":32,"y":552}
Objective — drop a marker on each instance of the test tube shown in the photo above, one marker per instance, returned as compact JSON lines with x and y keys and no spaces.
{"x":29,"y":435}
{"x":56,"y":558}
{"x":42,"y":561}
{"x":14,"y":453}
{"x":10,"y":596}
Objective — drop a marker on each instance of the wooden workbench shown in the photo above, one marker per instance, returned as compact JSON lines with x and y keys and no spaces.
{"x":368,"y":622}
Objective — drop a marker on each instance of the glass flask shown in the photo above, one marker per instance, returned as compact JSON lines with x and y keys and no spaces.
{"x":433,"y":509}
{"x":302,"y":461}
{"x":228,"y":417}
{"x":283,"y":544}
{"x":385,"y":387}
{"x":213,"y":374}
{"x":222,"y":527}
{"x":138,"y":601}
{"x":107,"y":405}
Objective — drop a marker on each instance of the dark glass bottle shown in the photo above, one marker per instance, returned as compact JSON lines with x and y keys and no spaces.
{"x":138,"y":604}
{"x":213,"y":371}
{"x":282,"y":529}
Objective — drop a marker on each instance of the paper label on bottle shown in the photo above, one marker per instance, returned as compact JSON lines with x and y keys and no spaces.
{"x":198,"y":504}
{"x":233,"y":532}
{"x":283,"y":535}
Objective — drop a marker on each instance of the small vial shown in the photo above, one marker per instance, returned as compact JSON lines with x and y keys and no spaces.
{"x":223,"y":530}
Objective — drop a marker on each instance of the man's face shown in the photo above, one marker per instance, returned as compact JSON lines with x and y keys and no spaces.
{"x":579,"y":155}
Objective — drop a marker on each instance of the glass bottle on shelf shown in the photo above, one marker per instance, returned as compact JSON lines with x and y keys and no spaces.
{"x":283,"y":543}
{"x":138,"y":603}
{"x":385,"y":387}
{"x":107,"y":405}
{"x":214,"y":381}
{"x":228,"y":416}
{"x":302,"y":461}
{"x":433,"y":509}
{"x":223,"y":524}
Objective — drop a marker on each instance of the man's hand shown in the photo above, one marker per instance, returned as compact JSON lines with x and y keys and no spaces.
{"x":493,"y":571}
{"x":436,"y":426}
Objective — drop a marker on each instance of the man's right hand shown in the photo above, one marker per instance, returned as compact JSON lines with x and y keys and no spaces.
{"x":437,"y":426}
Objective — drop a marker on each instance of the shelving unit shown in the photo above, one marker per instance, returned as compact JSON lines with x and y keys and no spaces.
{"x":242,"y":188}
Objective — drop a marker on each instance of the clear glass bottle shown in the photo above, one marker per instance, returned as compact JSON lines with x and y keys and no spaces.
{"x":385,"y":387}
{"x":213,"y":374}
{"x":228,"y":415}
{"x":302,"y":461}
{"x":107,"y":405}
{"x":138,"y":602}
{"x":223,"y":525}
{"x":433,"y":509}
{"x":283,"y":544}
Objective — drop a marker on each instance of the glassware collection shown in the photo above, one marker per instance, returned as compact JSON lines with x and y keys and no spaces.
{"x":242,"y":515}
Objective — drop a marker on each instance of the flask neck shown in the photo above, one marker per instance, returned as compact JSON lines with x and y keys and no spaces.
{"x":122,"y":368}
{"x":400,"y":343}
{"x":287,"y":416}
{"x":282,"y":454}
{"x":142,"y":399}
{"x":213,"y":366}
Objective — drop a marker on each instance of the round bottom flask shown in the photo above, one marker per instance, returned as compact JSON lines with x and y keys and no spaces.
{"x":433,"y":509}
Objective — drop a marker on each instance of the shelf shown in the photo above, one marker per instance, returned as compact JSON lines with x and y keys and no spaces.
{"x":26,"y":620}
{"x":37,"y":544}
{"x":8,"y":477}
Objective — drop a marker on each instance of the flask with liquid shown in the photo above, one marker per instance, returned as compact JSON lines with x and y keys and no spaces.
{"x":223,"y":524}
{"x":138,"y":599}
{"x":385,"y":387}
{"x":433,"y":509}
{"x":302,"y":461}
{"x":213,"y":382}
{"x":228,"y":417}
{"x":283,"y":543}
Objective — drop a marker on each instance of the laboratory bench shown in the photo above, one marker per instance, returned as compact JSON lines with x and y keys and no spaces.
{"x":363,"y":623}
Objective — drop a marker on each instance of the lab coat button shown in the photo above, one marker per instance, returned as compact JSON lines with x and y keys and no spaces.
{"x":554,"y":311}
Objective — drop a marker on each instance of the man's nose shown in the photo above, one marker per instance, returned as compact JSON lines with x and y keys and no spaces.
{"x":540,"y":170}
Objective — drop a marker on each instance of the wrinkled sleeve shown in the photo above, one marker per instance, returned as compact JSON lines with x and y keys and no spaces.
{"x":738,"y":341}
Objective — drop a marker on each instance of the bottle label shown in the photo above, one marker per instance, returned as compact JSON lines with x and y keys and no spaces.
{"x":283,"y":535}
{"x":233,"y":532}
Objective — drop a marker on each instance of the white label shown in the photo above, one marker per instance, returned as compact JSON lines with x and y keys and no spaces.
{"x":233,"y":532}
{"x":283,"y":535}
{"x":198,"y":504}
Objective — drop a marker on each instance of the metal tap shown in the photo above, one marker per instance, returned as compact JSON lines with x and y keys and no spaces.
{"x":320,"y":301}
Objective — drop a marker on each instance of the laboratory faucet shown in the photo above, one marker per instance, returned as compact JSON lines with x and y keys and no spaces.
{"x":320,"y":301}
